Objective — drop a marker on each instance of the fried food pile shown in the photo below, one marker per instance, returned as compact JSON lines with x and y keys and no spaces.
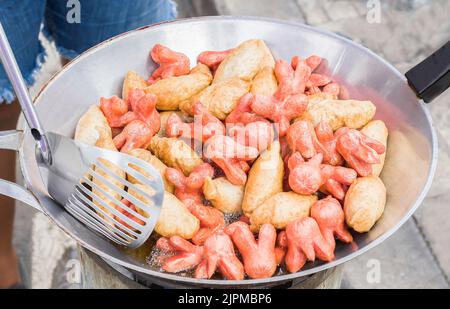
{"x":242,"y":135}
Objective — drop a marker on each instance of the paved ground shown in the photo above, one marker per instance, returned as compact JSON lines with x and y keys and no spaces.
{"x":418,"y":255}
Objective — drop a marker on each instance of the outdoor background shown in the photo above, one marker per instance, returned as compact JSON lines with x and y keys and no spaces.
{"x":418,"y":255}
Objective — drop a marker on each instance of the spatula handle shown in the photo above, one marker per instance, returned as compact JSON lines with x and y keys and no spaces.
{"x":15,"y":76}
{"x":431,"y":77}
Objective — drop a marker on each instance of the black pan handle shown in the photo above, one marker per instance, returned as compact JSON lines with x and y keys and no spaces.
{"x":431,"y":77}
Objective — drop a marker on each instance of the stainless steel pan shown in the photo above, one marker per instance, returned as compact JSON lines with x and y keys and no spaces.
{"x":412,"y":151}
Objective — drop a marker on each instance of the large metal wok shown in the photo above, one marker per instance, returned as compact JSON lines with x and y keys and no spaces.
{"x":412,"y":151}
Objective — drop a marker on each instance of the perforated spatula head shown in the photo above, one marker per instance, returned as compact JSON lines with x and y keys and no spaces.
{"x":91,"y":183}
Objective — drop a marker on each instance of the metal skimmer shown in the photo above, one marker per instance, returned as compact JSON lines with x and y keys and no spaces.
{"x":90,"y":182}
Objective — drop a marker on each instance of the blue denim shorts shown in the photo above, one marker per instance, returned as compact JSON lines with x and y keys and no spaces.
{"x":74,"y":26}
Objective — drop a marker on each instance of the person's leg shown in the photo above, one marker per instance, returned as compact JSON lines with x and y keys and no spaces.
{"x":21,"y":20}
{"x":101,"y":20}
{"x":9,"y":271}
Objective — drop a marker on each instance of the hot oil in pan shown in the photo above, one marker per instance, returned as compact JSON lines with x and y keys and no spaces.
{"x":153,"y":257}
{"x":143,"y":252}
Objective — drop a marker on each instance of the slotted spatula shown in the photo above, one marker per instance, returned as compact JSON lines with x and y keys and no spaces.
{"x":84,"y":179}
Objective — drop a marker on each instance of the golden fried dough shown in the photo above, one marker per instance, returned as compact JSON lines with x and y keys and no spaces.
{"x":147,"y":156}
{"x":280,"y":209}
{"x":174,"y":90}
{"x":89,"y":127}
{"x":378,"y":131}
{"x":224,"y":195}
{"x":318,"y":97}
{"x":93,"y":129}
{"x":220,"y":98}
{"x":174,"y":219}
{"x":132,"y":81}
{"x":340,"y":113}
{"x":245,"y":61}
{"x":364,"y":203}
{"x":265,"y":83}
{"x":175,"y":153}
{"x":265,"y":178}
{"x":117,"y":171}
{"x":105,"y":141}
{"x":163,"y":116}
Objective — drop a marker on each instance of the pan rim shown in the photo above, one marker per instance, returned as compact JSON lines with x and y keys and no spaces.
{"x":247,"y":282}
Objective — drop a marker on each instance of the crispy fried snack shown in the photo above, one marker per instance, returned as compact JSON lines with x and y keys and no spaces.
{"x":231,"y":157}
{"x":189,"y":188}
{"x":147,"y":156}
{"x":220,"y":98}
{"x":332,"y":88}
{"x":115,"y":109}
{"x":139,"y":106}
{"x":378,"y":131}
{"x":329,"y":216}
{"x":211,"y":221}
{"x":132,"y":81}
{"x":175,"y":219}
{"x":309,"y":177}
{"x":186,"y":255}
{"x":170,"y":63}
{"x":358,"y":150}
{"x":143,"y":107}
{"x":292,"y":81}
{"x":173,"y":91}
{"x":136,"y":134}
{"x":131,"y":216}
{"x":305,"y":242}
{"x":280,"y":111}
{"x":164,"y":116}
{"x":340,"y":113}
{"x":280,"y":209}
{"x":259,"y":134}
{"x":281,"y":247}
{"x":90,"y":125}
{"x":224,"y":195}
{"x":100,"y":183}
{"x":189,"y":191}
{"x":319,"y":97}
{"x":312,"y":61}
{"x":204,"y":126}
{"x":93,"y":129}
{"x":175,"y":153}
{"x":219,"y":255}
{"x":213,"y":59}
{"x":242,"y":113}
{"x":305,"y":177}
{"x":265,"y":178}
{"x":364,"y":203}
{"x":258,"y":255}
{"x":265,"y":83}
{"x":337,"y":179}
{"x":245,"y":61}
{"x":316,"y":83}
{"x":302,"y":137}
